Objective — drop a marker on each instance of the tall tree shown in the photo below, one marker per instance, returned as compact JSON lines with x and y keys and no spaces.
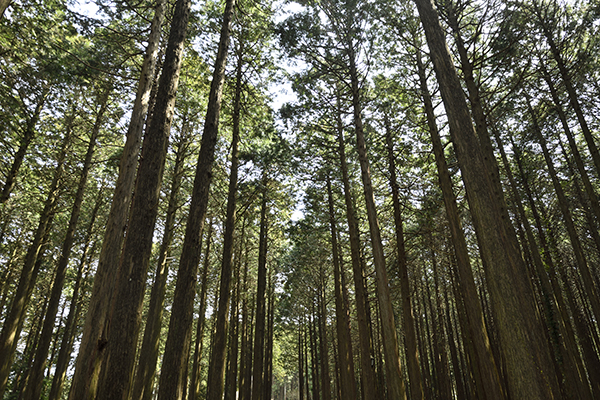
{"x":92,"y":346}
{"x":173,"y":377}
{"x":125,"y":318}
{"x":529,"y":366}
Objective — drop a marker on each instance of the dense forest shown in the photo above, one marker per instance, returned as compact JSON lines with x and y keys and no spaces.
{"x":308,"y":199}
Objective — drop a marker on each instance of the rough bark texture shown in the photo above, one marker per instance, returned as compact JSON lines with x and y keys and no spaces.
{"x":260,"y":321}
{"x":126,"y":308}
{"x":66,"y":346}
{"x":34,"y":388}
{"x":173,"y":379}
{"x":528,"y":360}
{"x":91,"y":349}
{"x":346,"y":362}
{"x":3,"y":5}
{"x":144,"y":378}
{"x":194,"y":392}
{"x":13,"y":321}
{"x":394,"y":380}
{"x":473,"y":324}
{"x":369,"y":384}
{"x":412,"y":353}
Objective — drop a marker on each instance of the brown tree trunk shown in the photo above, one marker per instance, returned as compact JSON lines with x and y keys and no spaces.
{"x":126,"y":308}
{"x":195,"y":381}
{"x":28,"y":135}
{"x":369,"y":384}
{"x":473,"y":324}
{"x":529,"y":366}
{"x":91,"y":349}
{"x":346,"y":362}
{"x":583,"y":267}
{"x":144,"y":378}
{"x":66,"y":346}
{"x":556,"y":316}
{"x":13,"y":321}
{"x":34,"y":388}
{"x":323,"y":341}
{"x":259,"y":324}
{"x":173,"y":380}
{"x":566,"y":77}
{"x":412,"y":354}
{"x":3,"y":5}
{"x":395,"y":382}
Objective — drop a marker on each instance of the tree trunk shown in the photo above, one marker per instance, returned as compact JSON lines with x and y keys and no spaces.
{"x":395,"y":382}
{"x":13,"y":321}
{"x":34,"y":388}
{"x":259,"y":324}
{"x":142,"y":387}
{"x":369,"y":384}
{"x":194,"y":392}
{"x":573,"y":100}
{"x":66,"y":346}
{"x":412,"y":354}
{"x":473,"y":325}
{"x":583,"y":267}
{"x":91,"y":349}
{"x":173,"y":379}
{"x":126,"y":308}
{"x":3,"y":5}
{"x":346,"y":362}
{"x":529,"y":365}
{"x":28,"y":135}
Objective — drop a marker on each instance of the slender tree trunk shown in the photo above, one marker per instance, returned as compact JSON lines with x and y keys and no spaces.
{"x":269,"y":345}
{"x":34,"y":389}
{"x":13,"y":321}
{"x":566,"y":77}
{"x":28,"y":135}
{"x":395,"y":382}
{"x":196,"y":364}
{"x":323,"y":341}
{"x":556,"y":316}
{"x":300,"y":363}
{"x":346,"y":362}
{"x":473,"y":325}
{"x":412,"y":353}
{"x":369,"y":384}
{"x":66,"y":346}
{"x":91,"y":349}
{"x":259,"y":324}
{"x":529,"y":365}
{"x":173,"y":379}
{"x":142,"y":387}
{"x":3,"y":5}
{"x":125,"y":319}
{"x":583,"y":267}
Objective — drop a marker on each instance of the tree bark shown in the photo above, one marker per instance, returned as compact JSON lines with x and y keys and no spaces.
{"x":412,"y":353}
{"x":3,"y":5}
{"x":28,"y":135}
{"x":369,"y":384}
{"x":473,"y":324}
{"x":142,"y":386}
{"x":346,"y":362}
{"x":394,"y":379}
{"x":13,"y":321}
{"x":172,"y":379}
{"x":529,"y":366}
{"x":259,"y":324}
{"x":126,"y":308}
{"x":91,"y":349}
{"x":194,"y":392}
{"x":34,"y":388}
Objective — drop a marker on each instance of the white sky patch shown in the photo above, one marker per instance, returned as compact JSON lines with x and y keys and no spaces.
{"x":87,"y":8}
